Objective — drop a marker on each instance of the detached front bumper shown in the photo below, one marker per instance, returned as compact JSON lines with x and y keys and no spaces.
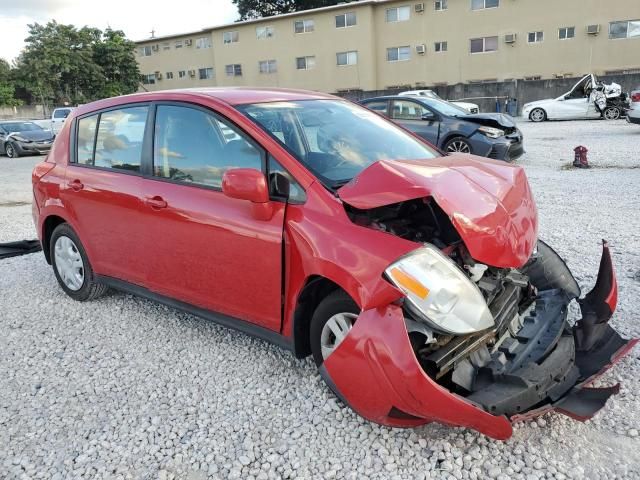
{"x":33,"y":148}
{"x":375,"y":371}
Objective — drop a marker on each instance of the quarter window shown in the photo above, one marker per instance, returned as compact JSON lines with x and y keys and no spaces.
{"x":346,"y":20}
{"x":203,"y":42}
{"x":267,"y":66}
{"x":535,"y":37}
{"x":482,"y":4}
{"x":483,"y":45}
{"x":86,"y":138}
{"x":233,"y":70}
{"x":193,"y":146}
{"x":439,"y":47}
{"x":304,"y":26}
{"x":625,"y":29}
{"x":380,"y":106}
{"x":276,"y":188}
{"x":398,"y":54}
{"x":205,"y":73}
{"x":264,"y":32}
{"x":398,"y":14}
{"x":230,"y":37}
{"x":565,"y":33}
{"x":347,"y":58}
{"x":305,"y":63}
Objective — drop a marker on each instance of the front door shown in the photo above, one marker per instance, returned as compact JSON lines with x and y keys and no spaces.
{"x":208,"y":250}
{"x":416,"y":118}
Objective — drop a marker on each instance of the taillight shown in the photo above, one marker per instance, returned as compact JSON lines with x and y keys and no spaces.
{"x":635,"y":97}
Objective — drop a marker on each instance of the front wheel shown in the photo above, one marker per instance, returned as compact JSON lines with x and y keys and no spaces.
{"x":458,"y":145}
{"x":611,"y":113}
{"x":538,"y":115}
{"x":11,"y":150}
{"x":331,"y":323}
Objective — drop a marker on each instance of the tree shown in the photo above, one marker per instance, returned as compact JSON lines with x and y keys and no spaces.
{"x":7,"y":88}
{"x":258,"y":8}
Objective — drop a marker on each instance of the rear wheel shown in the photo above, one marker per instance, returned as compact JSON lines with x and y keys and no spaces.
{"x":458,"y":145}
{"x":538,"y":115}
{"x":331,"y":323}
{"x":611,"y":113}
{"x":71,"y":265}
{"x":11,"y":150}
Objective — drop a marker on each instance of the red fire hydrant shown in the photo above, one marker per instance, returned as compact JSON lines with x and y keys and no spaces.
{"x":580,"y":159}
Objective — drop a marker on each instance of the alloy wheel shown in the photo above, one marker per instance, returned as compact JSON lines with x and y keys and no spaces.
{"x":458,"y":146}
{"x":10,"y":151}
{"x":612,"y":113}
{"x":69,"y":264}
{"x":537,"y":115}
{"x":335,"y":331}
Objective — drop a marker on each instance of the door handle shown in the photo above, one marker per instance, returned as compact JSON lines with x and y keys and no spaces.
{"x":156,"y":202}
{"x":76,"y":185}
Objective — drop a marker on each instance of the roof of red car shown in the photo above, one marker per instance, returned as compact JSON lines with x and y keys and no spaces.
{"x":229,"y":95}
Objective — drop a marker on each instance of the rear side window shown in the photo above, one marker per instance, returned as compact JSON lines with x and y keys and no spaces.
{"x":193,"y":146}
{"x":120,"y":137}
{"x":86,"y":139}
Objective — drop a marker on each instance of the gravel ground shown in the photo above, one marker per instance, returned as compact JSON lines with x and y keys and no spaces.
{"x":125,"y":388}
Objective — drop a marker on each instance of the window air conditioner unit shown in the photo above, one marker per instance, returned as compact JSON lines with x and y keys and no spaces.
{"x":155,"y":48}
{"x":510,"y":38}
{"x":158,"y":76}
{"x":419,"y":7}
{"x":421,"y":49}
{"x":188,"y":42}
{"x":192,"y":73}
{"x":593,"y":29}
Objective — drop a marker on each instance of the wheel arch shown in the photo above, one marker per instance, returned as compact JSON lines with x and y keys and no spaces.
{"x":48,"y":226}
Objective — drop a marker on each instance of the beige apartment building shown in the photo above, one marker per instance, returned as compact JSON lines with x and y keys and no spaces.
{"x":380,"y":44}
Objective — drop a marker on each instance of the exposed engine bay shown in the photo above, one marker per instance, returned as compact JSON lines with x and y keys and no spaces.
{"x":531,"y":356}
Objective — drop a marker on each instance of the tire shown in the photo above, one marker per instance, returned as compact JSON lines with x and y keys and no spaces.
{"x":77,"y":280}
{"x":611,"y":113}
{"x":11,"y":150}
{"x":335,"y":304}
{"x":458,"y":145}
{"x":538,"y":115}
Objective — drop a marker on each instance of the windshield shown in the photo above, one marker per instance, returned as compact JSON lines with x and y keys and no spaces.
{"x":20,"y":127}
{"x":335,"y":139}
{"x":444,"y":107}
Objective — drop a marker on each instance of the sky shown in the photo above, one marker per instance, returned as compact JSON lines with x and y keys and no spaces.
{"x":135,"y":17}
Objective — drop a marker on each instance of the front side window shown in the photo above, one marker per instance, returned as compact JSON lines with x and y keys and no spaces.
{"x":303,"y":26}
{"x":566,"y":33}
{"x":335,"y":139}
{"x":440,"y":47}
{"x":483,"y":45}
{"x":233,"y":70}
{"x":196,"y":147}
{"x":346,"y":20}
{"x":86,"y":138}
{"x":398,"y":54}
{"x":205,"y":73}
{"x":482,"y":4}
{"x":305,"y":63}
{"x":295,"y":191}
{"x":347,"y":58}
{"x":624,"y":29}
{"x":118,"y":143}
{"x":203,"y":42}
{"x":535,"y":37}
{"x":408,"y":110}
{"x":398,"y":14}
{"x":230,"y":37}
{"x":267,"y":66}
{"x":264,"y":32}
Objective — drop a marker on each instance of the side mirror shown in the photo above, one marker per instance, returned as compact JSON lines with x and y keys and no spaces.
{"x":249,"y":184}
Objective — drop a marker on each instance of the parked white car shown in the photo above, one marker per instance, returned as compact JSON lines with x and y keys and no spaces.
{"x":469,"y":107}
{"x":578,"y":103}
{"x":633,"y":115}
{"x":58,"y":116}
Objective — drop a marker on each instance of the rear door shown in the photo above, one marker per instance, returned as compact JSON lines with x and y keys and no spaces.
{"x":103,"y":190}
{"x":417,"y":118}
{"x":208,"y":250}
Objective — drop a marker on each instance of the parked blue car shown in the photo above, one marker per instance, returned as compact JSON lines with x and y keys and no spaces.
{"x":451,"y":128}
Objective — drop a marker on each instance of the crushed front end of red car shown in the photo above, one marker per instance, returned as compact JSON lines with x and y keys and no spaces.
{"x":480,"y":337}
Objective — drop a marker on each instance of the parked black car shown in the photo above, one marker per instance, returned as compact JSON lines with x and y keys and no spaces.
{"x":451,"y":128}
{"x":24,"y":138}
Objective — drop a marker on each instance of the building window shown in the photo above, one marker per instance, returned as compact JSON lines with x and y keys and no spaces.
{"x":305,"y":63}
{"x":267,"y":66}
{"x":483,"y":4}
{"x":484,"y":45}
{"x":566,"y":33}
{"x":230,"y":37}
{"x":440,"y":47}
{"x":166,"y":46}
{"x":398,"y":54}
{"x":203,"y":42}
{"x":264,"y":32}
{"x":145,"y":51}
{"x":346,"y":20}
{"x":398,"y":14}
{"x":182,"y":73}
{"x":535,"y":37}
{"x":440,"y":5}
{"x":347,"y":58}
{"x":178,"y":43}
{"x":149,"y":79}
{"x":169,"y":75}
{"x":625,"y":29}
{"x":205,"y":73}
{"x":304,"y":26}
{"x":233,"y":70}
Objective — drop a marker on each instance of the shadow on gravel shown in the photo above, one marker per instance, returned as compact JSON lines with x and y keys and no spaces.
{"x":14,"y":204}
{"x":569,"y":166}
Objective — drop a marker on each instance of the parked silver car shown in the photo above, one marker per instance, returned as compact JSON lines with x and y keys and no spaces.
{"x":633,"y":115}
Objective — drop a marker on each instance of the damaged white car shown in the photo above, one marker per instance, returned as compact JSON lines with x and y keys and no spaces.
{"x":589,"y":98}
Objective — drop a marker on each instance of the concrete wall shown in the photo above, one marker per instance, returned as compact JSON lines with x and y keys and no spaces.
{"x":23,"y":112}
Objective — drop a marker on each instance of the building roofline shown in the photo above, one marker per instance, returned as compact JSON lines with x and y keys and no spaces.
{"x":226,"y":26}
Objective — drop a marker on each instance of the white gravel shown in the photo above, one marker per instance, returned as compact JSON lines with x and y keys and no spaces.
{"x":125,"y":388}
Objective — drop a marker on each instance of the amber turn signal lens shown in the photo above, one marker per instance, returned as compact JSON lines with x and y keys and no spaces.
{"x":407,"y":281}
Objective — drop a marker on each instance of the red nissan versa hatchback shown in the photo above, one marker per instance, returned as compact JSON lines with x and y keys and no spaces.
{"x":416,"y":281}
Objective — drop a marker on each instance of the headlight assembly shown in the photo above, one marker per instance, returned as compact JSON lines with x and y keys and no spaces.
{"x":491,"y":132}
{"x":439,"y":293}
{"x":18,"y":138}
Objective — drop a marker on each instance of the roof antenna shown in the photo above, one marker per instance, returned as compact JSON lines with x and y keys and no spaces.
{"x":153,"y":33}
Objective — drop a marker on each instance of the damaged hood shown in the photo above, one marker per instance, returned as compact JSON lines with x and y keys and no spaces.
{"x":496,"y":120}
{"x":489,"y":202}
{"x":33,"y":135}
